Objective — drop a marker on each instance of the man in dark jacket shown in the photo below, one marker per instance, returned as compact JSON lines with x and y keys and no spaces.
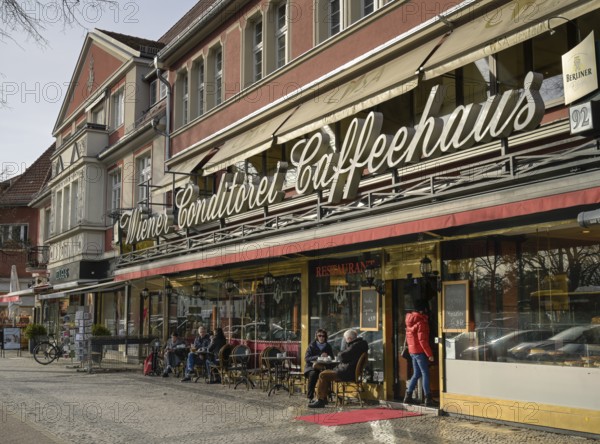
{"x":345,"y":370}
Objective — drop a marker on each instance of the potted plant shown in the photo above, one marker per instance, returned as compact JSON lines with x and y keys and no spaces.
{"x":98,"y":330}
{"x":33,"y":332}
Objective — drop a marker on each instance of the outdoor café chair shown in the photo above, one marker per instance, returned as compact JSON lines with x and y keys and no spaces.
{"x":345,"y":389}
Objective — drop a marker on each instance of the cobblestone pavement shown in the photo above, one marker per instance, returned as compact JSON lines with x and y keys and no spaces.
{"x":53,"y":403}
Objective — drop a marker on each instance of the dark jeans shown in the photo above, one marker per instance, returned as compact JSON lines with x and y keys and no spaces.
{"x":313,"y":377}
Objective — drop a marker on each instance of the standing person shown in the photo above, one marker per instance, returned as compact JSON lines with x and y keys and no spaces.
{"x":171,"y":358}
{"x":417,"y":339}
{"x":316,"y":349}
{"x":201,"y":344}
{"x":344,"y":371}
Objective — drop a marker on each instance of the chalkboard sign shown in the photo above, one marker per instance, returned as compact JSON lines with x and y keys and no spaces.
{"x":455,"y":306}
{"x":369,"y":309}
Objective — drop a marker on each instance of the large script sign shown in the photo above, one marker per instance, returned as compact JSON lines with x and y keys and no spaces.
{"x":338,"y":170}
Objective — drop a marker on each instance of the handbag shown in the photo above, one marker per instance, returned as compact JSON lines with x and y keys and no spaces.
{"x":404,"y":352}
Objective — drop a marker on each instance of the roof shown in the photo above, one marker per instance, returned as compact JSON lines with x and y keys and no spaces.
{"x":188,"y":18}
{"x":145,"y":46}
{"x":30,"y":183}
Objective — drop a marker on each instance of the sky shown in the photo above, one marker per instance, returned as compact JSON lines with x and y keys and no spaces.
{"x":34,"y":78}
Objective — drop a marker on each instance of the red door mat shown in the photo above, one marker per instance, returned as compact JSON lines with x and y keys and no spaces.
{"x":356,"y":416}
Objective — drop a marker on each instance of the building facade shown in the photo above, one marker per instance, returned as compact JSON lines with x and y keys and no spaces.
{"x":331,"y":164}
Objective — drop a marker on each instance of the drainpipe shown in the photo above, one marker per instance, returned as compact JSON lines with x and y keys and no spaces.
{"x":167,"y":133}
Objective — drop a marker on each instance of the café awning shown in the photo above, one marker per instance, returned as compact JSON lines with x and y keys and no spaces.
{"x":180,"y":172}
{"x":247,"y":144}
{"x":94,"y":288}
{"x":16,"y":296}
{"x":376,"y":86}
{"x":501,"y":28}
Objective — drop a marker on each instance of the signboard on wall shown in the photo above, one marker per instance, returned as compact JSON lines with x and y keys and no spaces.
{"x":369,"y":309}
{"x":455,"y":306}
{"x":580,"y":73}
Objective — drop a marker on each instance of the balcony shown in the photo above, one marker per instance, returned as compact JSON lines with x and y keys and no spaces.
{"x":37,"y":258}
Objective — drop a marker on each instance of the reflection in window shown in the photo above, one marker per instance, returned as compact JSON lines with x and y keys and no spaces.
{"x":536,"y":298}
{"x":334,"y":306}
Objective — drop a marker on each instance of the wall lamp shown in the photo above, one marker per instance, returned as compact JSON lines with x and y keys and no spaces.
{"x":571,"y":22}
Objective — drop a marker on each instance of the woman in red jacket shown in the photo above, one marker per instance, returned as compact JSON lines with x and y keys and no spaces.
{"x":417,"y":338}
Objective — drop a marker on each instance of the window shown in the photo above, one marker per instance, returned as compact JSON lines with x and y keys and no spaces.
{"x":200,"y":86}
{"x":368,"y":6}
{"x":115,"y":190}
{"x":541,"y":54}
{"x":183,"y":98}
{"x":118,"y":108}
{"x":218,"y":76}
{"x":47,"y":226}
{"x":144,"y":173}
{"x":153,"y":92}
{"x":281,"y":35}
{"x":13,"y":235}
{"x":214,"y":91}
{"x":74,"y":210}
{"x":534,"y":297}
{"x":257,"y":50}
{"x":334,"y":15}
{"x":98,"y":115}
{"x":66,"y":196}
{"x":58,"y":204}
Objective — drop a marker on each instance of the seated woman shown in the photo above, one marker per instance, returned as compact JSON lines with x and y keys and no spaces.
{"x":216,"y":343}
{"x":316,"y":349}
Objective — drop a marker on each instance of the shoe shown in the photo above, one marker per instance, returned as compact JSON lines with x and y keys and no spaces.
{"x":318,"y":404}
{"x":165,"y":375}
{"x":429,"y":402}
{"x":186,"y":379}
{"x":408,"y":399}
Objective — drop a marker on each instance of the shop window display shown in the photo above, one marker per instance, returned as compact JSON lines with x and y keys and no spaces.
{"x":258,"y":312}
{"x":335,"y":306}
{"x":536,"y":298}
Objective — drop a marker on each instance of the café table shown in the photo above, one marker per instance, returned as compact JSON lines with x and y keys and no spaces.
{"x":203,"y":353}
{"x":278,"y":363}
{"x":240,"y":364}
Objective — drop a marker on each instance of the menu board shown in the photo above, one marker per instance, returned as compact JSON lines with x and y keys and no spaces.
{"x":455,"y":306}
{"x":369,"y":309}
{"x":12,"y":338}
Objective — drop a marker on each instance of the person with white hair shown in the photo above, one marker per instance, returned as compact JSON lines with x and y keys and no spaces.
{"x":201,"y":344}
{"x":344,"y":371}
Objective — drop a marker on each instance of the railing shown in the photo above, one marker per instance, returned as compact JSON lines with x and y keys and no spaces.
{"x":38,"y":256}
{"x":414,"y":186}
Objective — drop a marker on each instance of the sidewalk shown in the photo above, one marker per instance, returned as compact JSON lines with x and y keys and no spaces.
{"x":127,"y":407}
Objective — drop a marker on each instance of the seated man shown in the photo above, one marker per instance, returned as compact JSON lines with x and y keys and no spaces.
{"x":194,"y":357}
{"x":345,"y":370}
{"x":171,"y":358}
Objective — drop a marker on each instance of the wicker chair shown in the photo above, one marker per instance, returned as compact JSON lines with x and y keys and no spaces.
{"x":221,"y":367}
{"x":345,"y":389}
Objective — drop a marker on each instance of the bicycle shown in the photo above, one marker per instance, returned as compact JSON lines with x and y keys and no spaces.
{"x":48,"y":351}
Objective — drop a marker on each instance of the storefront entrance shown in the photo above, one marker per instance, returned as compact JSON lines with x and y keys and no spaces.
{"x":405,"y":294}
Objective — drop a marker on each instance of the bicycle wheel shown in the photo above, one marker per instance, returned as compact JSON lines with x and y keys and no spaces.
{"x":44,"y":353}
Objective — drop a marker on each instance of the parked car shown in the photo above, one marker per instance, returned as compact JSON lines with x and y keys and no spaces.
{"x":497,"y":349}
{"x":541,"y":350}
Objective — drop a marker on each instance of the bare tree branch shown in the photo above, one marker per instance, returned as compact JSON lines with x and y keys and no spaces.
{"x":30,"y":17}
